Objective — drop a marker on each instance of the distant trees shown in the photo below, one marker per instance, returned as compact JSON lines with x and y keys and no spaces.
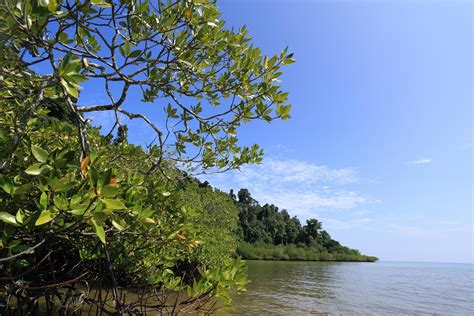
{"x":262,"y":228}
{"x":270,"y":225}
{"x":262,"y":251}
{"x":312,"y":227}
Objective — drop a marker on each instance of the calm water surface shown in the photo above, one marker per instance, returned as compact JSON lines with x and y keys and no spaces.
{"x":302,"y":288}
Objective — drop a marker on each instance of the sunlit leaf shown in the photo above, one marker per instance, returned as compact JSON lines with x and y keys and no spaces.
{"x":52,"y":6}
{"x":119,"y":224}
{"x":43,"y":3}
{"x":40,"y":154}
{"x":99,"y":230}
{"x":114,"y":204}
{"x":100,"y":3}
{"x":36,"y":169}
{"x":45,"y":217}
{"x":149,"y":220}
{"x":20,"y":216}
{"x":44,"y":200}
{"x":110,"y":191}
{"x":6,"y":184}
{"x":8,"y":218}
{"x":62,"y":185}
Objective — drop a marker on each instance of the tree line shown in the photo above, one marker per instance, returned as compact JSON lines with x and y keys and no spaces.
{"x":267,"y":232}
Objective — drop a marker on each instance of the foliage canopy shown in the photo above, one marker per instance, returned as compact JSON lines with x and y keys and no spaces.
{"x":178,"y":55}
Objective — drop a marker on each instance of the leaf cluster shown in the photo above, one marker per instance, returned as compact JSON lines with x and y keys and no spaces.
{"x":84,"y":209}
{"x":203,"y":79}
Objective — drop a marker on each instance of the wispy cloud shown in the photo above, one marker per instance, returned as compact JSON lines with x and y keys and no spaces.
{"x":295,"y":171}
{"x":421,"y":161}
{"x":301,"y":187}
{"x":332,"y":223}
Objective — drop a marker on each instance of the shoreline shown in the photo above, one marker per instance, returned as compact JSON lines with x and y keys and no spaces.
{"x":292,"y":252}
{"x":302,"y":260}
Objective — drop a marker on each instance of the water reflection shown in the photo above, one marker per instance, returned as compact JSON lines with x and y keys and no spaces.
{"x":284,"y":287}
{"x":310,"y":288}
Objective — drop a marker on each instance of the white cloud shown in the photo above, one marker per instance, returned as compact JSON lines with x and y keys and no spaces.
{"x":295,"y":171}
{"x":301,"y":187}
{"x":421,"y":161}
{"x":331,"y":223}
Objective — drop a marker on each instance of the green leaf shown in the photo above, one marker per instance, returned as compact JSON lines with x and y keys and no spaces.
{"x":137,"y":179}
{"x":126,"y":47}
{"x":104,"y":178}
{"x":79,"y":212}
{"x":80,"y":207}
{"x":99,"y":231}
{"x":36,"y":169}
{"x":135,"y":53}
{"x":45,"y":217}
{"x":119,"y":224}
{"x":52,"y":5}
{"x":100,"y":3}
{"x":110,"y":191}
{"x":44,"y":200}
{"x":20,"y":216}
{"x":43,"y":3}
{"x":23,"y":189}
{"x":40,"y":154}
{"x":6,"y":184}
{"x":8,"y":218}
{"x":148,"y":220}
{"x":62,"y":185}
{"x":60,"y":202}
{"x":114,"y":204}
{"x":93,"y":155}
{"x":101,"y":216}
{"x":284,"y":111}
{"x":70,"y":89}
{"x":94,"y":176}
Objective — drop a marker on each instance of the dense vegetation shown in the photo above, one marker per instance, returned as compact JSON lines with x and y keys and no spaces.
{"x":82,"y":211}
{"x":170,"y":234}
{"x":298,"y":252}
{"x":267,"y":233}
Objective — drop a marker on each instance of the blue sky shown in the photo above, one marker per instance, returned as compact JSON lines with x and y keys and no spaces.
{"x":380,"y":146}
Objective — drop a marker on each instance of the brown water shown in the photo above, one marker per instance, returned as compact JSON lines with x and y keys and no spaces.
{"x":381,"y":288}
{"x":304,"y":288}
